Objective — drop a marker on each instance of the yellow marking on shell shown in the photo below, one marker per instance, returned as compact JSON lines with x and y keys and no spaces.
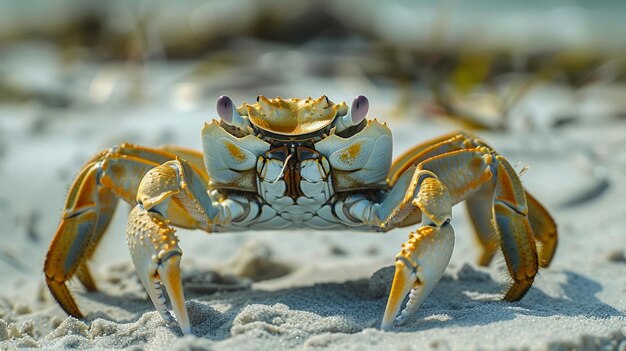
{"x":292,"y":116}
{"x":235,"y":151}
{"x":351,"y":152}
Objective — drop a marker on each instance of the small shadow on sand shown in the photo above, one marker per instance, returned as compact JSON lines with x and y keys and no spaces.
{"x":477,"y":301}
{"x":465,"y":298}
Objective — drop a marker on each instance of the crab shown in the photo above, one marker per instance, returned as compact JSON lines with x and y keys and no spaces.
{"x":281,"y":163}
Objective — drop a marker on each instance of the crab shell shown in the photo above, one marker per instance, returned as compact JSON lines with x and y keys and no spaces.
{"x":292,"y":117}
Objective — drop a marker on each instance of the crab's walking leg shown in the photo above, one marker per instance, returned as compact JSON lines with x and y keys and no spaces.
{"x":544,"y":230}
{"x":90,"y":204}
{"x":88,"y":210}
{"x":466,"y":171}
{"x":479,"y":203}
{"x":193,"y":157}
{"x":479,"y":207}
{"x":511,"y":223}
{"x":446,"y":143}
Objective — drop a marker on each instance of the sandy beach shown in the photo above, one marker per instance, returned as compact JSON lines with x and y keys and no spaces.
{"x":306,"y":289}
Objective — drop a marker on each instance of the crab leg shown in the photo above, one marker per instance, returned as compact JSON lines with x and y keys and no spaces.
{"x":478,"y":203}
{"x":543,"y":227}
{"x":446,"y":143}
{"x":479,"y":207}
{"x":87,"y":213}
{"x":466,"y":171}
{"x":462,"y":173}
{"x":544,"y":230}
{"x":193,"y":157}
{"x":514,"y":230}
{"x":89,"y":208}
{"x":90,"y":204}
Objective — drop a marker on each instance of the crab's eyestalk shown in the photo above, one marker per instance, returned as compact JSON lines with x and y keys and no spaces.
{"x":356,"y":114}
{"x":228,"y":113}
{"x":419,"y":266}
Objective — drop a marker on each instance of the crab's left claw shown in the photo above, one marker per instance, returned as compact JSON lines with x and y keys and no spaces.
{"x":152,"y":239}
{"x":156,"y":256}
{"x":419,"y":266}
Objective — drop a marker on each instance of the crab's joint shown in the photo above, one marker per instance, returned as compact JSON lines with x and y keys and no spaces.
{"x":164,"y":255}
{"x":410,"y":264}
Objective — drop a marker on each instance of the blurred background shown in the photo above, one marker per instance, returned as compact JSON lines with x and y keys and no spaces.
{"x":484,"y":64}
{"x":541,"y":80}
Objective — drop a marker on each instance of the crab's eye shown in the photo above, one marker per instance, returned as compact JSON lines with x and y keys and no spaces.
{"x":359,"y":108}
{"x":228,"y":113}
{"x":355,"y":115}
{"x":225,"y":108}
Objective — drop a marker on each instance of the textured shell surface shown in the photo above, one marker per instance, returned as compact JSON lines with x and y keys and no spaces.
{"x":292,"y":116}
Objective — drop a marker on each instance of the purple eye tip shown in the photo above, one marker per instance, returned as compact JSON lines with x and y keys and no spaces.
{"x":360,"y":101}
{"x":225,"y":108}
{"x":360,"y":106}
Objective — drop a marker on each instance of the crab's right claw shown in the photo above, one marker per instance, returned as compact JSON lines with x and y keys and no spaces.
{"x":419,"y":266}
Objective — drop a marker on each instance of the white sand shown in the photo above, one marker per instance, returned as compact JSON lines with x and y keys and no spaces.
{"x":321,"y":295}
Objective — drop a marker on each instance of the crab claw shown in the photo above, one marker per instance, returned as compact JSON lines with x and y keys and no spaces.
{"x":169,"y":272}
{"x":156,"y":256}
{"x":419,"y":266}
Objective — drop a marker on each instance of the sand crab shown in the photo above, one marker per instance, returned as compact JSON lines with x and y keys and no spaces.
{"x":282,"y":163}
